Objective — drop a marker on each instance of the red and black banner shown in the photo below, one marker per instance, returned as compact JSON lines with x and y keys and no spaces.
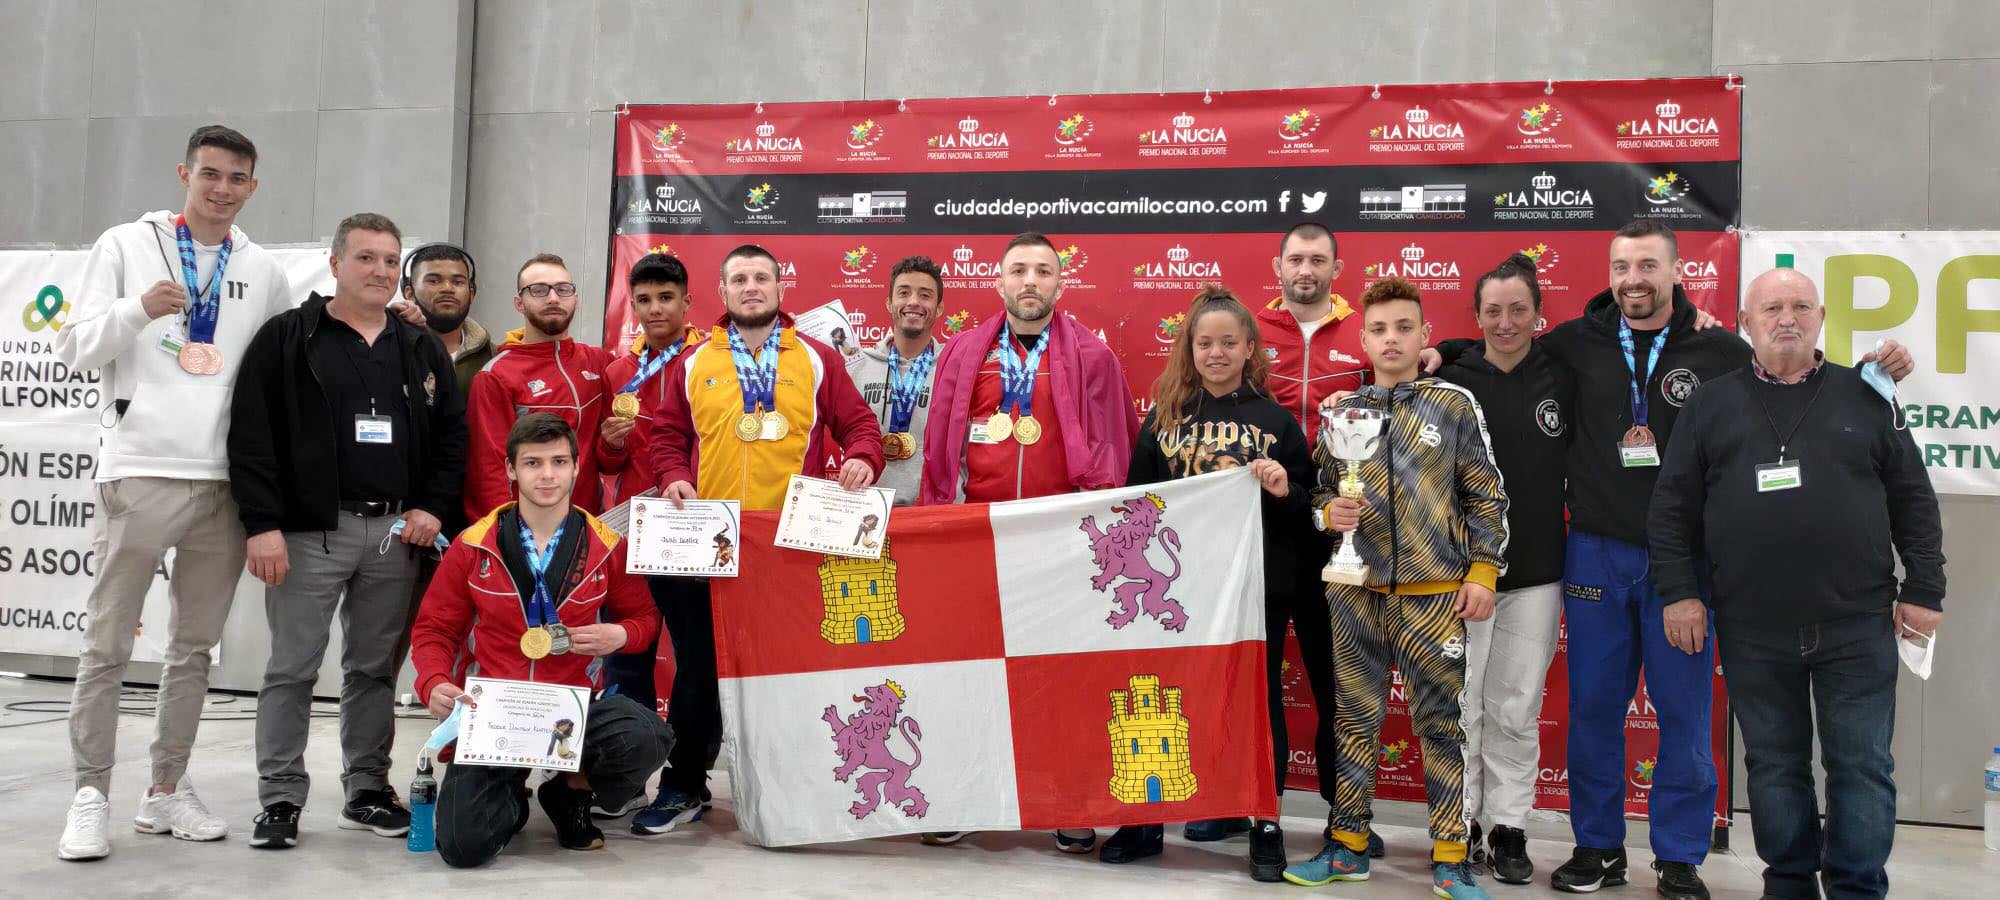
{"x":1149,"y":196}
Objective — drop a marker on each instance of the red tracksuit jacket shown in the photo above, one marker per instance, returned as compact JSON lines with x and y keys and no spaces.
{"x":563,"y":377}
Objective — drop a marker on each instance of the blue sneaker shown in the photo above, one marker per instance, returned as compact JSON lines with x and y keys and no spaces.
{"x":1453,"y":881}
{"x":1334,"y":863}
{"x":1215,"y":829}
{"x":668,"y":811}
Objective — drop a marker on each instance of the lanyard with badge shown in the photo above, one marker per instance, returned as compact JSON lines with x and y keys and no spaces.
{"x":198,"y":354}
{"x":1783,"y":475}
{"x":372,"y":428}
{"x":758,"y":379}
{"x":546,"y":633}
{"x":626,"y":404}
{"x":904,"y":391}
{"x":1017,"y":392}
{"x":1638,"y":448}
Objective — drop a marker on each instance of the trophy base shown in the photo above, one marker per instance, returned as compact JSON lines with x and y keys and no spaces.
{"x":1338,"y":574}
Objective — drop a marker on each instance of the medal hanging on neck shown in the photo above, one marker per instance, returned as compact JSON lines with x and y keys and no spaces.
{"x":1638,"y":448}
{"x":1017,"y":393}
{"x":626,"y":404}
{"x":904,"y":391}
{"x":758,"y":380}
{"x":546,"y":633}
{"x":199,"y":355}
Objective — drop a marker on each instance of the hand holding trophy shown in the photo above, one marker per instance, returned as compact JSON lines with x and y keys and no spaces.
{"x":1351,"y":436}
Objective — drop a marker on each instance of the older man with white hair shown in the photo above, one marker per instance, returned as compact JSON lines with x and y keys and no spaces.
{"x":1793,"y":488}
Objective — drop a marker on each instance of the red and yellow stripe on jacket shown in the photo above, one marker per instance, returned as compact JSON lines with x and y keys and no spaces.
{"x":688,"y":421}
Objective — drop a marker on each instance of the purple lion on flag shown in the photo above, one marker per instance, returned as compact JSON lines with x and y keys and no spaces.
{"x":863,"y":743}
{"x":1120,"y":552}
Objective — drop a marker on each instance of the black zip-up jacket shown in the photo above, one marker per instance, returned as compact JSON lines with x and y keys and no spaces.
{"x":1227,"y":432}
{"x":1528,"y":413}
{"x":283,"y":471}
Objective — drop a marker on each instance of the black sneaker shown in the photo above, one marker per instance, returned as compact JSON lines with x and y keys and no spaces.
{"x":1475,"y":850}
{"x":1507,"y":855}
{"x":1376,"y":849}
{"x":277,"y":826}
{"x":1680,"y":881}
{"x":1133,"y":843}
{"x":1588,"y":870}
{"x":375,"y":811}
{"x":569,"y":809}
{"x":1267,"y":852}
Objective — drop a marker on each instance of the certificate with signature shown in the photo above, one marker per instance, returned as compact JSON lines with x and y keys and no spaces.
{"x":699,"y":539}
{"x":523,"y":724}
{"x":823,"y":517}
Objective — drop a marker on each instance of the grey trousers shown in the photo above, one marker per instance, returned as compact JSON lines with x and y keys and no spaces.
{"x":138,"y":519}
{"x":346,"y":571}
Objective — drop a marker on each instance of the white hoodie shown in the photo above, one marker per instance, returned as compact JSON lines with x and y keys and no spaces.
{"x":176,"y":425}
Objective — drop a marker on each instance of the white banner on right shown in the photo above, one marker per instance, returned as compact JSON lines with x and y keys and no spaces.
{"x":1936,"y":292}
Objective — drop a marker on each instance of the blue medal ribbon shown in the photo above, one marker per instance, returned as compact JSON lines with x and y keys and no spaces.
{"x":204,"y":310}
{"x":757,"y":377}
{"x":905,"y":389}
{"x":1017,"y":376}
{"x":1640,"y":378}
{"x":541,"y":609}
{"x":650,"y":364}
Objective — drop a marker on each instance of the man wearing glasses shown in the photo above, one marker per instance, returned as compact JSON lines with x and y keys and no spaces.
{"x":541,"y":369}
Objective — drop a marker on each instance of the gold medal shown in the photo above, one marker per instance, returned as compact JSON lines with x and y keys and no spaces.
{"x":1027,"y":430}
{"x":1638,"y":436}
{"x":749,"y":427}
{"x":999,"y":427}
{"x":536,"y":642}
{"x":779,"y":427}
{"x":200,"y":359}
{"x":625,"y":406}
{"x":892,"y":446}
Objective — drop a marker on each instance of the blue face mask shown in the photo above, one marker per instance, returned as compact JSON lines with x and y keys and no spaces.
{"x":445,"y":733}
{"x":1883,"y":384}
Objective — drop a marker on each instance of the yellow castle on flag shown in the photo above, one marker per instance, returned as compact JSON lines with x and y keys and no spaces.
{"x":860,"y":599}
{"x":1149,"y":744}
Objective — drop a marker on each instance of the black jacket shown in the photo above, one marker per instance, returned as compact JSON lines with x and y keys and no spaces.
{"x":1528,"y":417}
{"x":282,"y":435}
{"x":1821,"y":551}
{"x":1605,"y":498}
{"x":1262,"y":430}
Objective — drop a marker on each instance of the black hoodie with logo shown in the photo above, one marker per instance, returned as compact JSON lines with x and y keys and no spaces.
{"x":1605,"y":497}
{"x":1528,"y":418}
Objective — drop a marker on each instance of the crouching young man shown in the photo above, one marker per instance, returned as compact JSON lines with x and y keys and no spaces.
{"x":536,"y":591}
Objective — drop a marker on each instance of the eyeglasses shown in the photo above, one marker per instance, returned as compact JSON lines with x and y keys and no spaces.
{"x":538,"y":290}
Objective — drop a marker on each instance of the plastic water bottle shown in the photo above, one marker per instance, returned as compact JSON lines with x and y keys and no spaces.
{"x":1993,"y":800}
{"x":423,"y":807}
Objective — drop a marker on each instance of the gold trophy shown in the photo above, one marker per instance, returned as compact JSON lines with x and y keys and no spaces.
{"x":1351,"y":436}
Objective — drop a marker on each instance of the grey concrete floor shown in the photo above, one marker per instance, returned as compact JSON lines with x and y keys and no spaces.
{"x":712,"y":856}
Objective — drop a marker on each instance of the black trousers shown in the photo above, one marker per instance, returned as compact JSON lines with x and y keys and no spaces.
{"x":480,"y":807}
{"x":1315,"y":629}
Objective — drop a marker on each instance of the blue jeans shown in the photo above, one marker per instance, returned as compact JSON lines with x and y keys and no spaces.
{"x":1843,"y":671}
{"x":1615,"y":630}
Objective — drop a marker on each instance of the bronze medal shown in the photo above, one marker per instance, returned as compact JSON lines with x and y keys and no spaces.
{"x":1638,"y":436}
{"x":779,"y":427}
{"x":999,"y":427}
{"x":749,"y":427}
{"x":625,"y":406}
{"x":1027,"y":430}
{"x":892,"y":446}
{"x":536,"y":642}
{"x":200,"y":359}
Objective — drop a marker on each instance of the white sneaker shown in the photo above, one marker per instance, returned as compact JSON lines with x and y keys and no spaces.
{"x":89,"y":817}
{"x":180,"y":812}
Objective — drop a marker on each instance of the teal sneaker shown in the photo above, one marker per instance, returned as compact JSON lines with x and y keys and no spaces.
{"x":1453,"y":881}
{"x":1333,"y":863}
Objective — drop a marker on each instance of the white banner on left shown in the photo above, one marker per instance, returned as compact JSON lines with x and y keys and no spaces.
{"x":48,"y":455}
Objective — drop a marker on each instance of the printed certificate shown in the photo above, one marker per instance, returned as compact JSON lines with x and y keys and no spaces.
{"x":823,"y":517}
{"x":523,"y":724}
{"x":698,"y":540}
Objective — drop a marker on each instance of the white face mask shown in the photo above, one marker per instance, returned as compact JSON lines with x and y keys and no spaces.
{"x":1916,"y":651}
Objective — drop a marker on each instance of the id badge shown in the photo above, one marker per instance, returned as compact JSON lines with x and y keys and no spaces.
{"x":1778,"y":476}
{"x":173,"y":338}
{"x":373,"y":430}
{"x":978,"y":434}
{"x":1639,"y":457}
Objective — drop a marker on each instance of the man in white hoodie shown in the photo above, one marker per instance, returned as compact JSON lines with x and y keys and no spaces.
{"x":167,"y":306}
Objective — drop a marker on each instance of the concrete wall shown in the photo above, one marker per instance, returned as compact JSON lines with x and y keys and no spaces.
{"x":1879,"y":114}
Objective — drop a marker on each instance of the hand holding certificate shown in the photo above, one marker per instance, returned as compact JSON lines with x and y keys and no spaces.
{"x":823,"y":517}
{"x":699,"y":537}
{"x":523,"y":724}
